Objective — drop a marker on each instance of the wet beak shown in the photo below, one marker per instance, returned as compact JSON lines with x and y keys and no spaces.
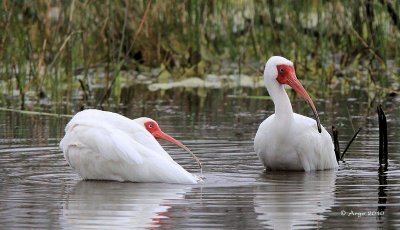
{"x":161,"y":135}
{"x":298,"y":87}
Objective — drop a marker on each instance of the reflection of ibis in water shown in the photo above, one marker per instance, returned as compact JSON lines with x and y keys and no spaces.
{"x":287,"y":140}
{"x":110,"y":205}
{"x":299,"y":200}
{"x":107,"y":146}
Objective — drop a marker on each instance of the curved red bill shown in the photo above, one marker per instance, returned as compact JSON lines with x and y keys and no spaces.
{"x":161,"y":135}
{"x":293,"y":82}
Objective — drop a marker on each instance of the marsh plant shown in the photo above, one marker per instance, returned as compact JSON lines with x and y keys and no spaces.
{"x":51,"y":49}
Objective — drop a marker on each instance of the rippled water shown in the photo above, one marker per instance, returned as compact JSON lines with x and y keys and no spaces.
{"x":39,"y":190}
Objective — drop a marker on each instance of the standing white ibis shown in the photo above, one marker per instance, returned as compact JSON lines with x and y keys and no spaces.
{"x":287,"y":140}
{"x":101,"y":145}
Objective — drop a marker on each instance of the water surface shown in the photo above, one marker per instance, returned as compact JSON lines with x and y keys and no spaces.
{"x":39,"y":189}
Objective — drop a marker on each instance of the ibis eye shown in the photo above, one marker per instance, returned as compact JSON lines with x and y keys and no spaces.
{"x":281,"y":70}
{"x":150,"y":126}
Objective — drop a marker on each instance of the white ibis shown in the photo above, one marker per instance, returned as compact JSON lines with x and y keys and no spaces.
{"x":287,"y":140}
{"x":101,"y":145}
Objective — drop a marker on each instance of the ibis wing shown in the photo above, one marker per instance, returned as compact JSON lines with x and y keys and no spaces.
{"x":111,"y":144}
{"x":118,"y":125}
{"x":315,"y":149}
{"x":136,"y":162}
{"x":102,"y":145}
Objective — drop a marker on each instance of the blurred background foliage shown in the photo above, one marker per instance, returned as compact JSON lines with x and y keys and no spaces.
{"x":45,"y":44}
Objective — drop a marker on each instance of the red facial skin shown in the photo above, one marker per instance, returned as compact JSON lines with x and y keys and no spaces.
{"x":155,"y":130}
{"x":287,"y":75}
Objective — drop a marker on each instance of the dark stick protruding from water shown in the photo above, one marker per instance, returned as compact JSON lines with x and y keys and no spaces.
{"x":383,"y":160}
{"x":336,"y":143}
{"x":383,"y":140}
{"x":382,"y":196}
{"x":348,"y":144}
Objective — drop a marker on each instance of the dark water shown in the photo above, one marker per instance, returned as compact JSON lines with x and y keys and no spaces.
{"x":39,"y":190}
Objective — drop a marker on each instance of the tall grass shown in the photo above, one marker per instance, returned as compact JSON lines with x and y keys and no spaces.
{"x":44,"y":44}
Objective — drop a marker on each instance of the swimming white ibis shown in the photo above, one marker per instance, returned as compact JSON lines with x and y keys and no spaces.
{"x":287,"y":140}
{"x":101,"y":145}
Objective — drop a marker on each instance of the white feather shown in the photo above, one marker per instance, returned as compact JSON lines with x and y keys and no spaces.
{"x":287,"y":140}
{"x":107,"y":146}
{"x":294,"y":145}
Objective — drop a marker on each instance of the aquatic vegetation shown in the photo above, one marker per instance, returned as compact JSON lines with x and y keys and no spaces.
{"x":46,"y":45}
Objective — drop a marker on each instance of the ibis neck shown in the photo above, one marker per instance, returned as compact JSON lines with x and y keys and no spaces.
{"x":283,"y":108}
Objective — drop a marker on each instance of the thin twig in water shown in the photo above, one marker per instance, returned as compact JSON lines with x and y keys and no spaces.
{"x":35,"y":113}
{"x":336,"y":143}
{"x":348,"y":144}
{"x":142,"y":22}
{"x":61,"y":49}
{"x":383,"y":140}
{"x":351,"y":120}
{"x":365,"y":44}
{"x":84,"y":90}
{"x":116,"y":71}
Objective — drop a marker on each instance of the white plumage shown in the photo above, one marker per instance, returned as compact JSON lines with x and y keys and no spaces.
{"x":101,"y":145}
{"x":287,"y":140}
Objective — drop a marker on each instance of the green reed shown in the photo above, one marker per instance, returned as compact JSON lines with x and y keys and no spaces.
{"x":45,"y":44}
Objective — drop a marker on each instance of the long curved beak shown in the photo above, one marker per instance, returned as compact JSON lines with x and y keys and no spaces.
{"x":298,"y":87}
{"x":161,"y":135}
